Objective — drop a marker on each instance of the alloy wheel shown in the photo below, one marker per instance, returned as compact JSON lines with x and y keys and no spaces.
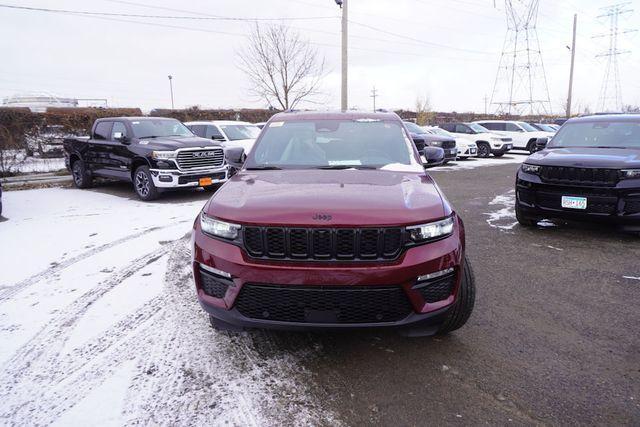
{"x":142,"y":184}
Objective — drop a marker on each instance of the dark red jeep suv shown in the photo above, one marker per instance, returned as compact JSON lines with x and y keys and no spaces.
{"x":332,"y":223}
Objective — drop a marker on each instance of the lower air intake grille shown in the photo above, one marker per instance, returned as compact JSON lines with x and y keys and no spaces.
{"x":213,"y":285}
{"x":437,"y":289}
{"x":323,"y":304}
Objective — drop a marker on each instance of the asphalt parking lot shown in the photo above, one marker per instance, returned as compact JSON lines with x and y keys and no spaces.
{"x":553,"y":338}
{"x":111,"y":330}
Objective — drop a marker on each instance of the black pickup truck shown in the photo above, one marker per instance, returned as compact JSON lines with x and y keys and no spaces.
{"x":153,"y":153}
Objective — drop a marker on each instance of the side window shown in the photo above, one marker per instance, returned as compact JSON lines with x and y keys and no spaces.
{"x":212,"y":132}
{"x":512,"y":127}
{"x":448,"y":127}
{"x":103,"y":131}
{"x":493,"y":126}
{"x":118,"y":127}
{"x":197,"y":129}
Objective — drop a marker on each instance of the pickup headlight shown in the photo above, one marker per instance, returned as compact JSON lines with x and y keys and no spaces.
{"x":218,"y":228}
{"x":164,"y":155}
{"x":432,"y":230}
{"x":629,"y":173}
{"x":527,"y":168}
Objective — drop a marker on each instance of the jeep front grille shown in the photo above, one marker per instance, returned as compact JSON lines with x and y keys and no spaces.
{"x":200,"y":159}
{"x":323,"y":243}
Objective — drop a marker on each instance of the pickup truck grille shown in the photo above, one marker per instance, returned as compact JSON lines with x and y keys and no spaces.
{"x":200,"y":159}
{"x":323,"y":243}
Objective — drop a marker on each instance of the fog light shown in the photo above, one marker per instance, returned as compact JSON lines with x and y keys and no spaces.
{"x":215,"y":271}
{"x":165,"y":178}
{"x":435,"y":275}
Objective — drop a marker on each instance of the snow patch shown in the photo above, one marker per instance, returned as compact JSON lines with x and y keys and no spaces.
{"x":503,"y":218}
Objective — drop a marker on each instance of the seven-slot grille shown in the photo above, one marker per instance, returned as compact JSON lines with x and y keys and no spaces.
{"x":200,"y":159}
{"x":323,"y":243}
{"x":579,"y":176}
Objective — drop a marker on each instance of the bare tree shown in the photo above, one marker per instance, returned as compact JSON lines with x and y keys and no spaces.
{"x":423,"y":110}
{"x":283,"y":68}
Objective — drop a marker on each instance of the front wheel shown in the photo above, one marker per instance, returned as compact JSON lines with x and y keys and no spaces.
{"x":81,"y":176}
{"x":143,"y":184}
{"x":484,"y":150}
{"x":522,"y":219}
{"x":460,"y":312}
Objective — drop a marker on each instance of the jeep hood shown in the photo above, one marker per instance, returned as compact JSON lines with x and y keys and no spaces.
{"x":347,"y":197}
{"x":586,"y":157}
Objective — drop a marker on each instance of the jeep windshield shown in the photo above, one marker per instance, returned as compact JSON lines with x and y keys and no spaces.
{"x":159,"y":128}
{"x":332,"y":144}
{"x":598,"y":134}
{"x":478,"y":128}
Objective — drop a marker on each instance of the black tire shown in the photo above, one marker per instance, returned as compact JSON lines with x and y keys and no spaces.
{"x":531,"y":147}
{"x":143,"y":184}
{"x":81,"y":176}
{"x":460,"y":312}
{"x":523,"y":220}
{"x":484,"y":150}
{"x":498,"y":154}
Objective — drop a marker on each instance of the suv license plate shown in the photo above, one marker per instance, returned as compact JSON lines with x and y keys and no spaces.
{"x":205,"y":182}
{"x":574,"y":202}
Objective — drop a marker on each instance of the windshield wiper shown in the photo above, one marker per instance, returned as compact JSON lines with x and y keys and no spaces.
{"x":335,"y":167}
{"x":264,"y":168}
{"x":148,"y":136}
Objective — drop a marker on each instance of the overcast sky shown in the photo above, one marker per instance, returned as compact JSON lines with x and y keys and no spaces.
{"x":452,"y":59}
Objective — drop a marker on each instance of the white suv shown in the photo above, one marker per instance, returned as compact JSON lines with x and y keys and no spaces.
{"x":230,"y":133}
{"x":466,"y":147}
{"x":524,"y":135}
{"x":488,"y":143}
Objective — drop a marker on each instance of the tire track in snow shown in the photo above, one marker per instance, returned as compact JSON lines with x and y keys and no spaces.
{"x":10,"y":291}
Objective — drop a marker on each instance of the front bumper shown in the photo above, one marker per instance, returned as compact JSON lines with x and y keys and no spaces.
{"x":422,"y":317}
{"x":173,"y":178}
{"x":469,"y":152}
{"x":616,"y":205}
{"x":501,"y":148}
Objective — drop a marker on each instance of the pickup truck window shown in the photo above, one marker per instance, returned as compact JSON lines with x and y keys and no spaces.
{"x":118,"y":127}
{"x":159,"y":128}
{"x":332,"y":144}
{"x":102,"y":131}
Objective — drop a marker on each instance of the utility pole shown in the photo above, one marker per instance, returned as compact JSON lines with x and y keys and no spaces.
{"x":573,"y":57}
{"x":345,"y":38}
{"x":374,"y":95}
{"x":171,"y":88}
{"x":486,"y":98}
{"x":611,"y":91}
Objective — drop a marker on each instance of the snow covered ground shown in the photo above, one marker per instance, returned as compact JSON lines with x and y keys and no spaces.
{"x":99,"y":324}
{"x":475,"y":162}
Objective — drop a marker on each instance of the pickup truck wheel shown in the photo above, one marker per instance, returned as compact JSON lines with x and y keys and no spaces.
{"x":484,"y":150}
{"x":143,"y":184}
{"x":81,"y":177}
{"x":462,"y":308}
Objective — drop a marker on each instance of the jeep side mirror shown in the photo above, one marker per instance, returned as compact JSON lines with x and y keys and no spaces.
{"x":434,"y":156}
{"x":235,"y":156}
{"x":541,"y":143}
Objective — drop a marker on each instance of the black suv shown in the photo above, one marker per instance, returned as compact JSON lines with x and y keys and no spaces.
{"x":590,"y":170}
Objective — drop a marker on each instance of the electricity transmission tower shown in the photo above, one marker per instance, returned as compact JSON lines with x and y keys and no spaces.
{"x":610,"y":98}
{"x":521,"y":85}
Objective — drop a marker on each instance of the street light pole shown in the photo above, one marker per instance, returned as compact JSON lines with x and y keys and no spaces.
{"x":345,"y":39}
{"x":171,"y":88}
{"x":573,"y":57}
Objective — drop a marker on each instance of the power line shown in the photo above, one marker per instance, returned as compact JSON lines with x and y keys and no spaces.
{"x":134,"y":15}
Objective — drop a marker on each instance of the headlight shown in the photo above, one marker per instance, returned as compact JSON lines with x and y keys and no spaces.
{"x":218,"y":228}
{"x":629,"y":173}
{"x":432,"y":230}
{"x":163,"y":155}
{"x":534,"y":169}
{"x":435,"y":143}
